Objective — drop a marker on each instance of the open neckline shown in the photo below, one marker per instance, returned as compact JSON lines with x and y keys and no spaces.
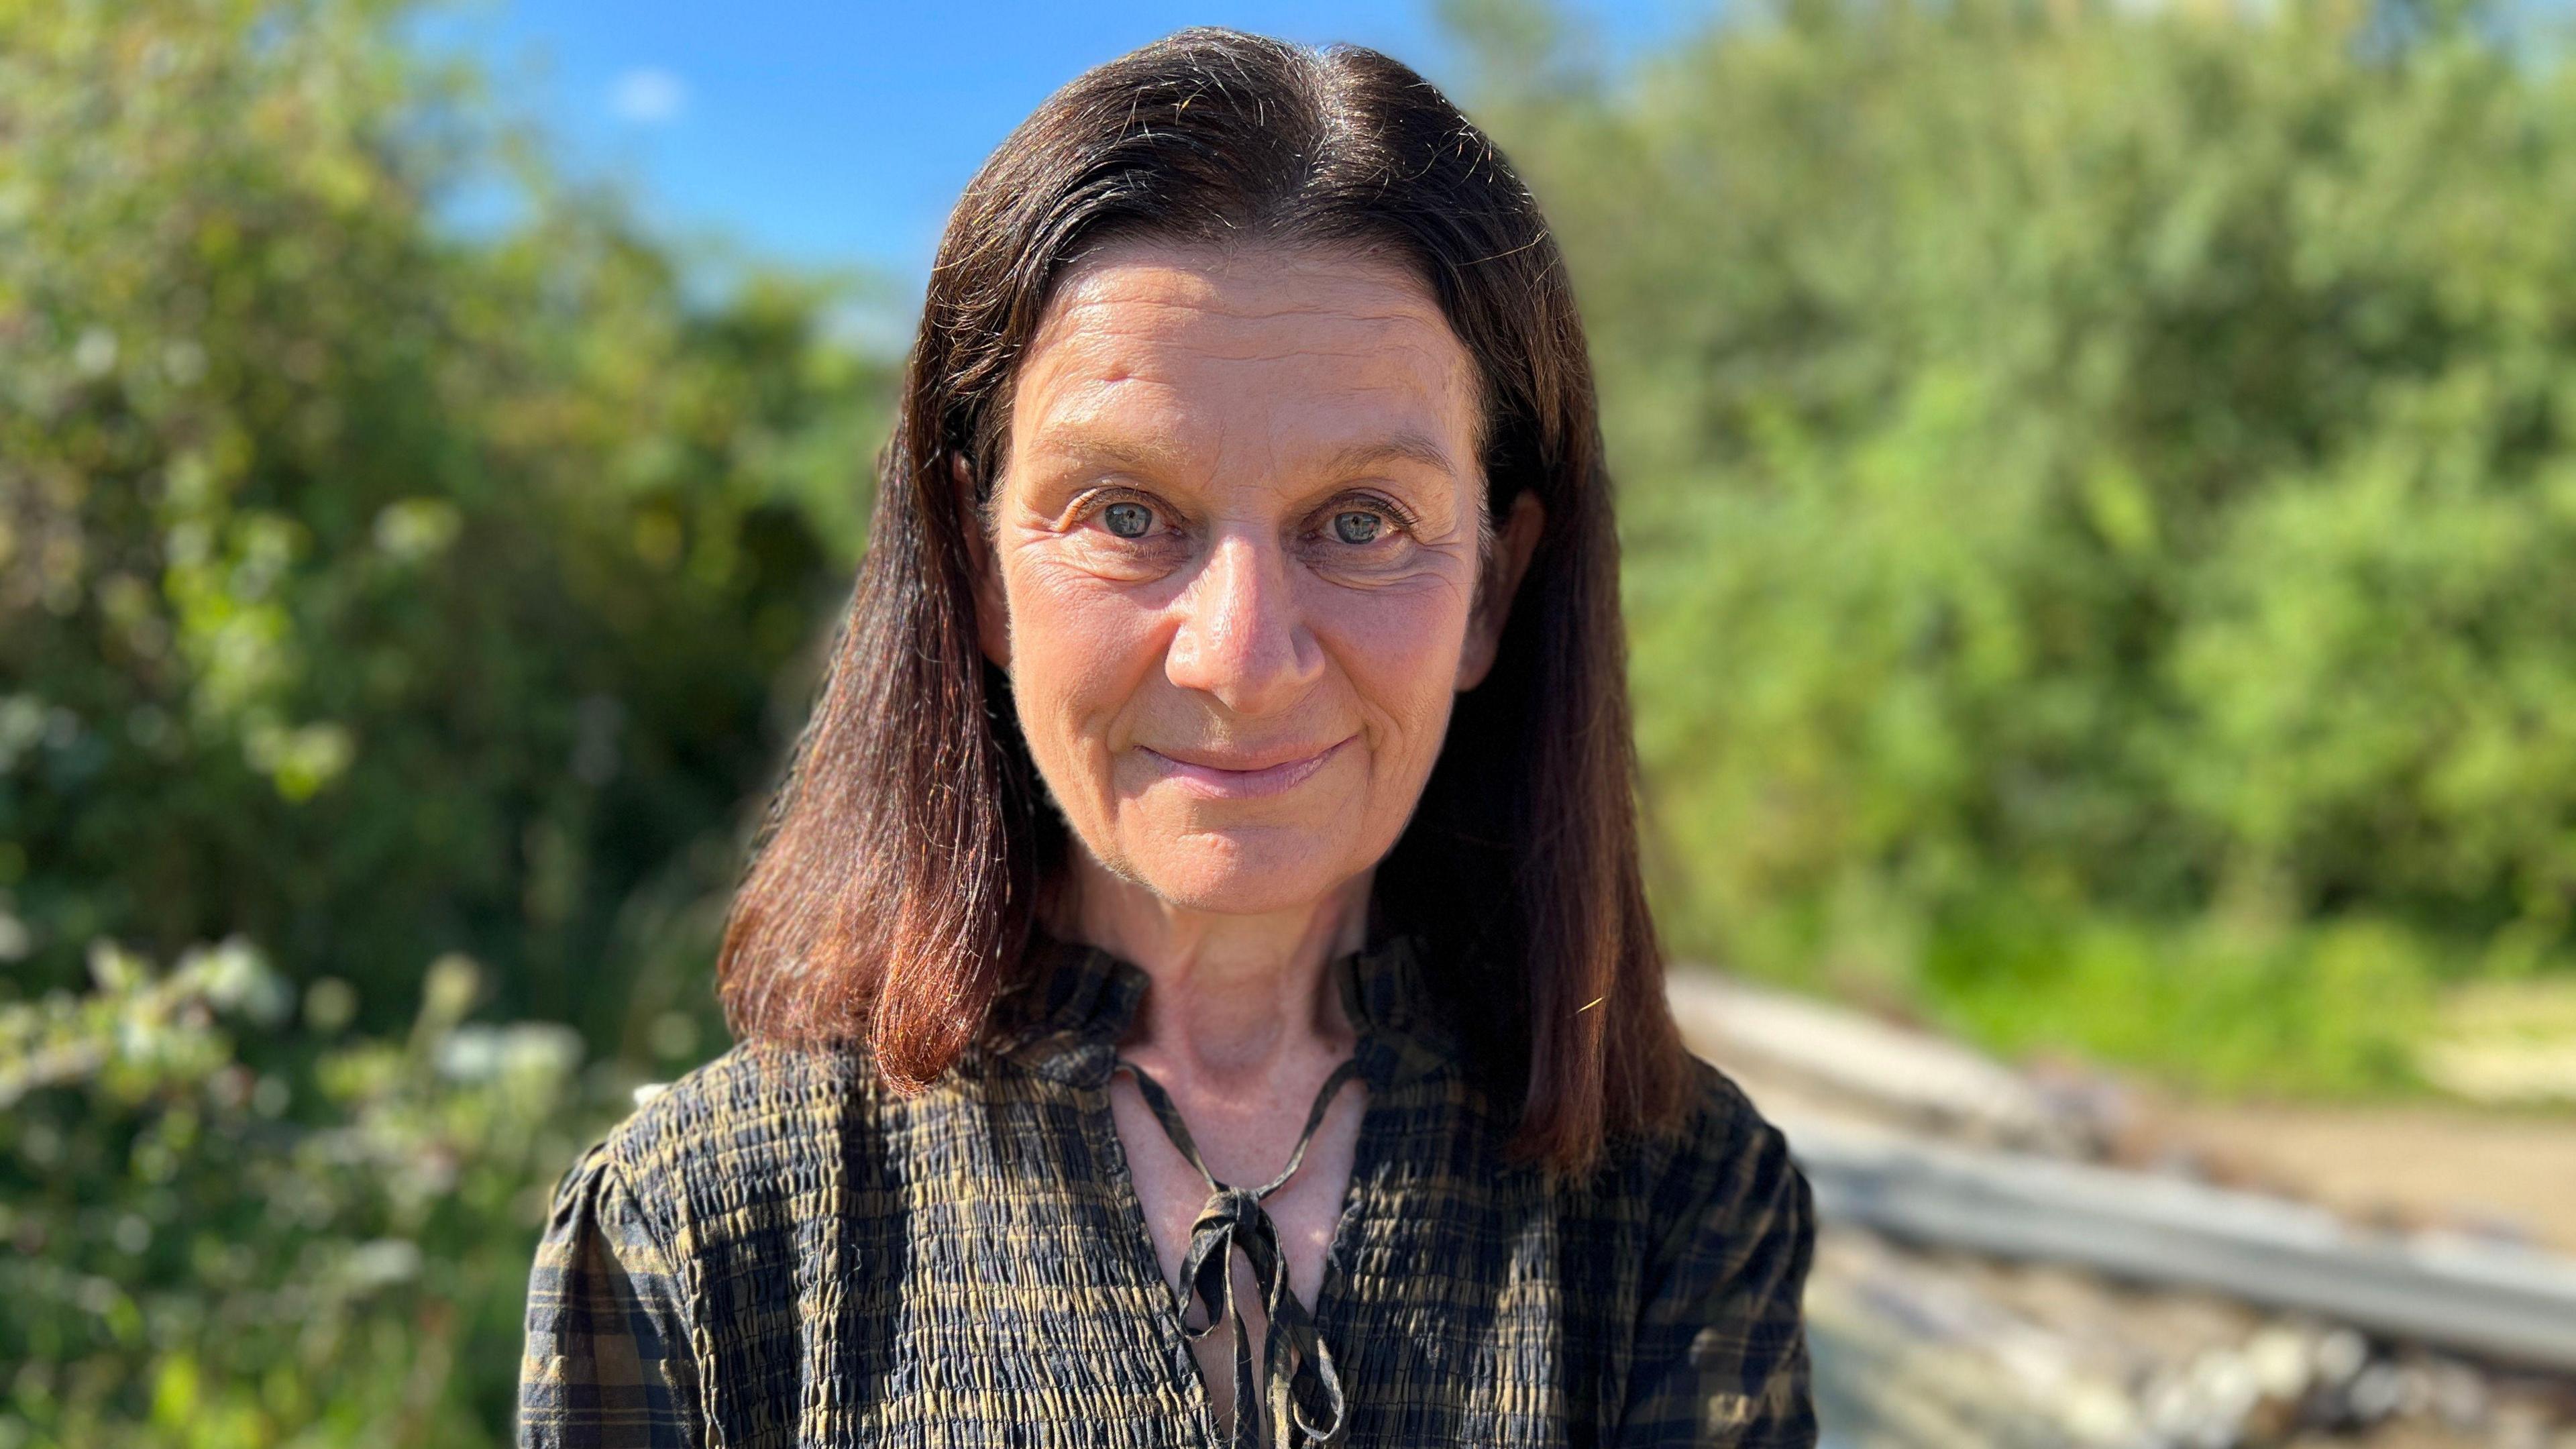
{"x":1072,"y":1005}
{"x":1063,"y":1018}
{"x":1170,"y":1303}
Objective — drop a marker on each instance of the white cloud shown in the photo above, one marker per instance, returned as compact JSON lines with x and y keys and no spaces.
{"x":648,"y":96}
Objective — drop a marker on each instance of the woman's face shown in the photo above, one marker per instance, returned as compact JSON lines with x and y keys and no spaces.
{"x":1234,"y":574}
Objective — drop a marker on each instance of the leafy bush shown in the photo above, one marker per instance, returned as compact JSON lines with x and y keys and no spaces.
{"x":230,"y":1222}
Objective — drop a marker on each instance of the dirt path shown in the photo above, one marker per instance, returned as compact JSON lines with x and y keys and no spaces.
{"x":2422,"y":1165}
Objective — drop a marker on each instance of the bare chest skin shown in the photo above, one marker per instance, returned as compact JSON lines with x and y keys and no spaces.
{"x":1245,"y":1143}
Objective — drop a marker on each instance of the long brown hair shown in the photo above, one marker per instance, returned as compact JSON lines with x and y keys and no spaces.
{"x":898,"y":875}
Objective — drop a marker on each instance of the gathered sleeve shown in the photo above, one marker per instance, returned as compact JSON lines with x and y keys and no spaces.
{"x":608,"y":1362}
{"x":1720,"y":1358}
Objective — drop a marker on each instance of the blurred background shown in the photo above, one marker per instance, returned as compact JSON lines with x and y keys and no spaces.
{"x":2099,"y":483}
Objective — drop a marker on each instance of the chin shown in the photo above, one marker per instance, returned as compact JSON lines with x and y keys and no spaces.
{"x":1240,"y":873}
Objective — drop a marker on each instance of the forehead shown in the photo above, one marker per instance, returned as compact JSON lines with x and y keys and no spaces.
{"x":1203,"y":345}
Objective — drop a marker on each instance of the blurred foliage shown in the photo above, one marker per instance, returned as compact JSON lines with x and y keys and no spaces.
{"x":2099,"y":485}
{"x":393,"y":592}
{"x":329,"y":1249}
{"x":370,"y":586}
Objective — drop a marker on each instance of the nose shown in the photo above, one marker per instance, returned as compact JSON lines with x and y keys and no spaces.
{"x":1240,"y":637}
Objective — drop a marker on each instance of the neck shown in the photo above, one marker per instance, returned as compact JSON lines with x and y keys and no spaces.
{"x":1233,"y":996}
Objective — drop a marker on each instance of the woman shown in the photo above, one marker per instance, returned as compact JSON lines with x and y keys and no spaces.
{"x":1195,"y":985}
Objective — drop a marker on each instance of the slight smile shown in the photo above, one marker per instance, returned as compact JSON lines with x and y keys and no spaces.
{"x":1216,"y":782}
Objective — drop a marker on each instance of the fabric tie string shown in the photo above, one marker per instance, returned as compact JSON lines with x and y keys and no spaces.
{"x":1303,"y":1389}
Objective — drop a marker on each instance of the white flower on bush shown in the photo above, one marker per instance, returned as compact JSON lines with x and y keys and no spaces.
{"x":519,"y":1050}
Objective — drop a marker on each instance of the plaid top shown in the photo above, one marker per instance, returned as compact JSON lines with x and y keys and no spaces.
{"x":778,"y":1252}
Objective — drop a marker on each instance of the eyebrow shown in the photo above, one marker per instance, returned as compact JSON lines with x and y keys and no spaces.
{"x":1404,"y":447}
{"x":1153,"y":456}
{"x":1090,"y":450}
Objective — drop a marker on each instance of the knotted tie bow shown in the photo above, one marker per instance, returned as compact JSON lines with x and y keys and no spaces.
{"x":1304,"y":1389}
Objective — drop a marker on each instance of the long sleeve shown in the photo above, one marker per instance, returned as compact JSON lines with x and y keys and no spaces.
{"x":1720,"y":1358}
{"x":608,"y":1362}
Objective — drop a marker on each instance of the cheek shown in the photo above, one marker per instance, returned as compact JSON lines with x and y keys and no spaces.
{"x":1400,"y":648}
{"x":1080,"y":649}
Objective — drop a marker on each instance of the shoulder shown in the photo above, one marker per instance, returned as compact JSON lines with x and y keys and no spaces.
{"x":759,"y":1114}
{"x":1719,"y":1352}
{"x":1720,"y":1167}
{"x":611,"y":1316}
{"x":753,"y":1088}
{"x":1726,"y":1148}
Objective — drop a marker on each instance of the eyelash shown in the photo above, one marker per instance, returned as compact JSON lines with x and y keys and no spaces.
{"x":1370,"y":503}
{"x":1395,"y":513}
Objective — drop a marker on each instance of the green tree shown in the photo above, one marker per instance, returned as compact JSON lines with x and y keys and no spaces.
{"x":2098,"y":488}
{"x":371,"y":586}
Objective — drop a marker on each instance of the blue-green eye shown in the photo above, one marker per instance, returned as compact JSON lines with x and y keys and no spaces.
{"x":1128,"y":520}
{"x":1356,"y":527}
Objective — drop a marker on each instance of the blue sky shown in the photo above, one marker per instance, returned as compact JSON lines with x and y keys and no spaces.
{"x":839,"y":134}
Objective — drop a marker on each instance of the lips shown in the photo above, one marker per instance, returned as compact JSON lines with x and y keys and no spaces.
{"x":1240,"y":776}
